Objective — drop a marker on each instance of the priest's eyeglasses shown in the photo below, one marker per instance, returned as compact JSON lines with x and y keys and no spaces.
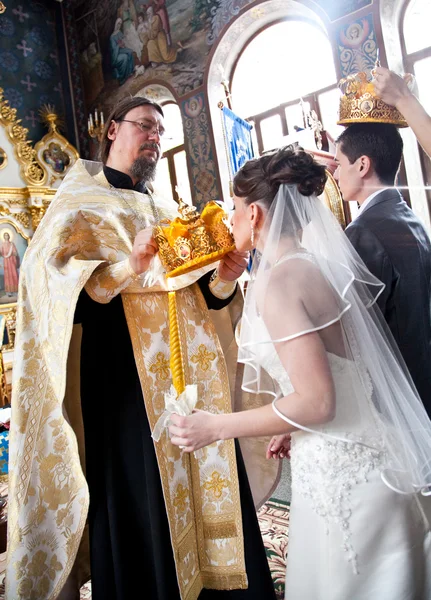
{"x":145,"y":127}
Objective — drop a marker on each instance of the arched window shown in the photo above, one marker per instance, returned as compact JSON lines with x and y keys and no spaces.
{"x":279,"y":77}
{"x":172,"y":170}
{"x":416,"y":48}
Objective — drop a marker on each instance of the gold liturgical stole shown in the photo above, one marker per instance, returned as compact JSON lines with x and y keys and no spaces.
{"x":85,"y":240}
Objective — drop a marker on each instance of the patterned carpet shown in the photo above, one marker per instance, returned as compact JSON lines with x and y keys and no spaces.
{"x":274,"y":525}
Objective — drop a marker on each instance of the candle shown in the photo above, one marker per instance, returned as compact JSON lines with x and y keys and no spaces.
{"x":91,"y":121}
{"x":96,"y":118}
{"x":102,"y":120}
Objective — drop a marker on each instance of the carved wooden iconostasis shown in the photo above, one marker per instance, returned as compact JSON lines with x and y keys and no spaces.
{"x":29,"y":176}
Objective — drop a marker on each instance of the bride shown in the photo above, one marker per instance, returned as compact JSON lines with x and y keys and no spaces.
{"x":343,"y":404}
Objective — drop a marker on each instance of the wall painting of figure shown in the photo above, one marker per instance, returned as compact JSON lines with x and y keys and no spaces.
{"x":13,"y":244}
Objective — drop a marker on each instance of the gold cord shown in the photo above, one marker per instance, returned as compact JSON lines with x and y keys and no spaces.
{"x":175,"y":346}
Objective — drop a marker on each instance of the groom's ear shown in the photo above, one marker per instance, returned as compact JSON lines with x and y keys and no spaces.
{"x":364,"y":166}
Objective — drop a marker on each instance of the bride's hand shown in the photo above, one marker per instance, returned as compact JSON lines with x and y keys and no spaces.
{"x":279,"y":446}
{"x":195,"y":431}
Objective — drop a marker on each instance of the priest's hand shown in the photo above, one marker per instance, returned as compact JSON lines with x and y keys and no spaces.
{"x":144,"y":248}
{"x":195,"y":431}
{"x":233,"y":265}
{"x":279,"y":446}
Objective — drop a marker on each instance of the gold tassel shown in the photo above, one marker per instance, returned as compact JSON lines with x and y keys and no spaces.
{"x":175,"y":346}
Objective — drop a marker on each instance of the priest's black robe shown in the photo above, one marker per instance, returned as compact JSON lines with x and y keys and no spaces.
{"x":130,"y":547}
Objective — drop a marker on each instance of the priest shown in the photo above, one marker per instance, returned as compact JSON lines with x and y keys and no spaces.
{"x":91,"y":374}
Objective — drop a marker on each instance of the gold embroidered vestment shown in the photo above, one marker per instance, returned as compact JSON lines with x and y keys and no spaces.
{"x":84,"y":241}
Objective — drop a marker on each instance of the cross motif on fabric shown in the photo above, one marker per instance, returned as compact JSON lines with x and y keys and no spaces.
{"x":181,"y":497}
{"x":160,"y":367}
{"x":32,"y":117}
{"x":54,"y":57}
{"x":25,"y":49}
{"x":216,"y":484}
{"x":203,"y":358}
{"x":27,"y":82}
{"x":58,"y":88}
{"x":20,"y":14}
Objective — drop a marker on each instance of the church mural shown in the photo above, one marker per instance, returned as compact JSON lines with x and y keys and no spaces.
{"x":12,"y":248}
{"x":122,"y":44}
{"x":199,"y":150}
{"x":356,"y":45}
{"x":29,"y":62}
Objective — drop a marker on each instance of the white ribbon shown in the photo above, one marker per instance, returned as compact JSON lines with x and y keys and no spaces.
{"x":182,"y":405}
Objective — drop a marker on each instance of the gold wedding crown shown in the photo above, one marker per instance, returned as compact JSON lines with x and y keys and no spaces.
{"x":193,"y":240}
{"x":359,"y":103}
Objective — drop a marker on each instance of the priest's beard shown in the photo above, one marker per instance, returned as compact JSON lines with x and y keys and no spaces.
{"x":143,"y":169}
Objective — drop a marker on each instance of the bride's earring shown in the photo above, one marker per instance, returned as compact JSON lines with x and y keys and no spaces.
{"x":252,"y":235}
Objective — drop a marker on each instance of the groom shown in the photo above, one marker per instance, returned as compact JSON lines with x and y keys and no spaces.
{"x":391,"y":241}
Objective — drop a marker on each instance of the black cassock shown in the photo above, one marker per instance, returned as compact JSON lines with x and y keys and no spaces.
{"x":130,"y":547}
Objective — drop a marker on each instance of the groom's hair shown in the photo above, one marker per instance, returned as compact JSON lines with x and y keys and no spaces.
{"x":117,"y":114}
{"x":381,"y":142}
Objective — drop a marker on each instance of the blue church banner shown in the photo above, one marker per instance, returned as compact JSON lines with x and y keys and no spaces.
{"x":238,"y":140}
{"x":4,"y":452}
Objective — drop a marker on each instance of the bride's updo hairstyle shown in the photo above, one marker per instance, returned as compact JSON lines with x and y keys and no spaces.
{"x":259,"y":179}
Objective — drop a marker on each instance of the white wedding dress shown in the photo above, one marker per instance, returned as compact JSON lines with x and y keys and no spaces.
{"x":350,"y":536}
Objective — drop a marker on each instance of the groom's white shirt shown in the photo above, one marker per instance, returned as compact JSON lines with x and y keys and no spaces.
{"x":368,"y":200}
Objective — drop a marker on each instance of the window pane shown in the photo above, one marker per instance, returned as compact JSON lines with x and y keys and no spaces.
{"x":280,"y":64}
{"x":272,"y":132}
{"x":416,"y":25}
{"x":174,"y":127}
{"x":182,"y":174}
{"x":423,"y":78}
{"x":163,"y":180}
{"x":329,"y":103}
{"x":294,"y":117}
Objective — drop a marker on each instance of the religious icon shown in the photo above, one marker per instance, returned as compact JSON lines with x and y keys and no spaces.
{"x":183,"y":248}
{"x":3,"y":331}
{"x":355,"y":34}
{"x":56,"y":158}
{"x":3,"y":158}
{"x":367,"y":105}
{"x":12,"y":248}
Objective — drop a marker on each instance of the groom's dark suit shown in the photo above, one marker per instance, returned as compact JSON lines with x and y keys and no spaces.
{"x":394,"y":245}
